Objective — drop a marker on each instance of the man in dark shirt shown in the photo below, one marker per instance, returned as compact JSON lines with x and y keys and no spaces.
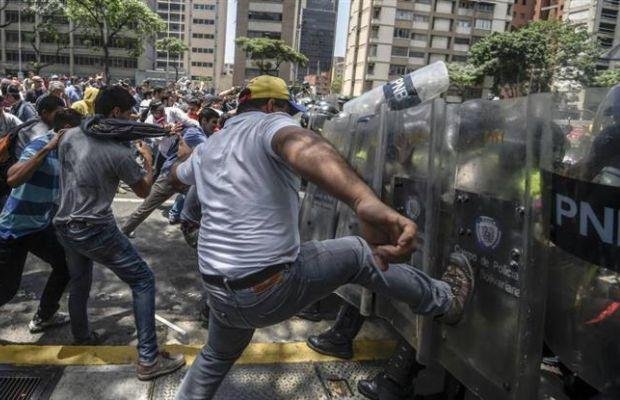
{"x":37,"y":91}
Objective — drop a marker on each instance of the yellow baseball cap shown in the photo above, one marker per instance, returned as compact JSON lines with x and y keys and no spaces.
{"x":269,"y":87}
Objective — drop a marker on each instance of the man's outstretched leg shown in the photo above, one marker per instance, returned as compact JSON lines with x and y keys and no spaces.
{"x":224,"y":346}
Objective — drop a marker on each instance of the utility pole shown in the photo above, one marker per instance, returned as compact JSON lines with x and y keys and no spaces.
{"x":20,"y":73}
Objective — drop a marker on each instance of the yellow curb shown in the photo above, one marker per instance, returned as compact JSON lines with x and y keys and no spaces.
{"x":255,"y":353}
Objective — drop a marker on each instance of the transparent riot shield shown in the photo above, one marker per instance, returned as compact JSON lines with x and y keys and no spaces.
{"x":489,"y":215}
{"x":318,"y":214}
{"x":366,"y":157}
{"x":581,"y":187}
{"x":414,"y":137}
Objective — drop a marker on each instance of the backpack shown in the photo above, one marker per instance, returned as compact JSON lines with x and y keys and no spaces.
{"x":7,"y":153}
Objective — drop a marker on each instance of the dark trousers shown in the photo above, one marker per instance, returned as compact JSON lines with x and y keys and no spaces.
{"x":45,"y":245}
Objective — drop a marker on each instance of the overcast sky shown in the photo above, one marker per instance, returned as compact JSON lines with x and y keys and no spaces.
{"x":341,"y":29}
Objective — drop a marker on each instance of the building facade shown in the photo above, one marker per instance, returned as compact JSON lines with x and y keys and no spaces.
{"x":525,"y":11}
{"x":201,"y":24}
{"x":389,"y":38}
{"x":317,"y":33}
{"x":75,"y":57}
{"x":601,"y":18}
{"x":275,"y":19}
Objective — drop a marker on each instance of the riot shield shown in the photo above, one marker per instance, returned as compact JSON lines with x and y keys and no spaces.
{"x":489,"y":214}
{"x":581,"y":187}
{"x":414,"y":141}
{"x":317,"y":220}
{"x":366,"y":157}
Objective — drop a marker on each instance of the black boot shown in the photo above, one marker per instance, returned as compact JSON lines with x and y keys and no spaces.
{"x":338,"y":340}
{"x":396,"y":381}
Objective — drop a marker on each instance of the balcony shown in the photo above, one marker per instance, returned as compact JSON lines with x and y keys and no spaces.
{"x":465,"y":11}
{"x":422,"y":7}
{"x":465,"y":30}
{"x":614,"y":4}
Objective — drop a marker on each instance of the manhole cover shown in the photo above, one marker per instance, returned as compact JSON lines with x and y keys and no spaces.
{"x":23,"y":383}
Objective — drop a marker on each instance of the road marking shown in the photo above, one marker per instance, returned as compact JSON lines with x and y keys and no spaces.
{"x":256,"y":353}
{"x":138,"y":201}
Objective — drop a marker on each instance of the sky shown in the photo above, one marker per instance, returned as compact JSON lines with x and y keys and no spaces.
{"x":341,"y":29}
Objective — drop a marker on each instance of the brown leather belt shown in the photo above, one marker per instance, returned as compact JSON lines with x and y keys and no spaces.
{"x":260,"y":281}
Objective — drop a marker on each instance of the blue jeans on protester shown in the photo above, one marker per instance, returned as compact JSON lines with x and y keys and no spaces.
{"x":177,"y":207}
{"x":86,"y":243}
{"x":320,"y":268}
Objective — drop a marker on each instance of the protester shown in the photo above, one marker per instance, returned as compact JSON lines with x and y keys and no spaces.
{"x":37,"y":127}
{"x":209,"y":119}
{"x":22,"y":109}
{"x":8,"y":121}
{"x":86,"y":107}
{"x":55,"y":88}
{"x":256,"y":272}
{"x":25,"y":223}
{"x":91,"y":169}
{"x":37,"y":91}
{"x":72,"y":93}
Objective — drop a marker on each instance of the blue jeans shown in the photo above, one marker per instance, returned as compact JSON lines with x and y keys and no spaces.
{"x":320,"y":268}
{"x":86,"y":243}
{"x":177,"y":207}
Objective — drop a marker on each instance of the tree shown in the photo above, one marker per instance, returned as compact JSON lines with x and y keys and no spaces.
{"x":541,"y":56}
{"x":463,"y":76}
{"x":105,"y":21}
{"x":336,"y":85}
{"x":269,"y":54}
{"x":47,"y":16}
{"x":175,"y":48}
{"x":608,"y":78}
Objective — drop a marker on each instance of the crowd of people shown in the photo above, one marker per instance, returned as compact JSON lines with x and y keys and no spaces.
{"x":234,"y":161}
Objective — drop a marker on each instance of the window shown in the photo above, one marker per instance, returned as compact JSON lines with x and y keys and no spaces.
{"x":203,"y":35}
{"x":460,"y":40}
{"x":204,"y":7}
{"x":402,"y":33}
{"x":201,"y":21}
{"x":404,"y":15}
{"x":371,"y":68}
{"x":485,"y":7}
{"x":202,"y":50}
{"x":202,"y":64}
{"x":418,"y":37}
{"x":484,"y":24}
{"x":423,"y":1}
{"x":376,"y":12}
{"x":463,"y":23}
{"x":265,"y":34}
{"x":398,"y":69}
{"x":420,"y":18}
{"x":372,"y":50}
{"x":264,"y":16}
{"x":400,"y":51}
{"x":416,"y":54}
{"x":374,"y":32}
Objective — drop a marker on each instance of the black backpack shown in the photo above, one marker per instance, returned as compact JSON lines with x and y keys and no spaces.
{"x":7,"y":153}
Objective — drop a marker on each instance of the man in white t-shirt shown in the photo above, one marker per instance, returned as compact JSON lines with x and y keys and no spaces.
{"x":256,"y":271}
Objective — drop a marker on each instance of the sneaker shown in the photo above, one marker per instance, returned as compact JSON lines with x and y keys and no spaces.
{"x":96,"y":338}
{"x":38,"y":325}
{"x":131,"y":235}
{"x":460,"y":276}
{"x":165,"y":363}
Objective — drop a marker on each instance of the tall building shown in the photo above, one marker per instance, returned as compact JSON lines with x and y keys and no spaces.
{"x":525,"y":11}
{"x":388,"y":38}
{"x":201,"y":24}
{"x":274,"y":19}
{"x":78,"y":58}
{"x":317,"y":33}
{"x":601,"y":18}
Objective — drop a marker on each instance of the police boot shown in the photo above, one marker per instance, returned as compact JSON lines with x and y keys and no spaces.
{"x":396,"y":381}
{"x":338,"y":340}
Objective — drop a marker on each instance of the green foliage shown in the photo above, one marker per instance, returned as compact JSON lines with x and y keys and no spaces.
{"x":106,"y":20}
{"x":268,"y":54}
{"x":607,"y":78}
{"x":336,"y":85}
{"x":537,"y":57}
{"x":463,"y":76}
{"x":175,"y":47}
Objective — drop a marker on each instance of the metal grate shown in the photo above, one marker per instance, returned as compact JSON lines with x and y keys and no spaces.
{"x":18,"y":387}
{"x":22,"y":383}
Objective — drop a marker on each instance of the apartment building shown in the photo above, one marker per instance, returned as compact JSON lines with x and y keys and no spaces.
{"x":600,"y":17}
{"x":276,"y":19}
{"x":525,"y":11}
{"x":78,"y":58}
{"x":317,"y":34}
{"x":389,"y":38}
{"x":201,"y":24}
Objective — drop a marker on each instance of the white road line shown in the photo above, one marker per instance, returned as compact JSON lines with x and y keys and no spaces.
{"x":137,"y":201}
